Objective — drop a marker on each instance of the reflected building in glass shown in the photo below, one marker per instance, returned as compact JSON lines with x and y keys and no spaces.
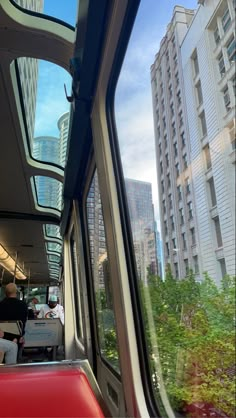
{"x":28,"y":71}
{"x":141,"y":211}
{"x":193,"y":106}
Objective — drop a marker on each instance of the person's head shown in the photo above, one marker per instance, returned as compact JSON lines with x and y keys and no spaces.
{"x":52,"y":301}
{"x":35,"y":301}
{"x":11,"y":290}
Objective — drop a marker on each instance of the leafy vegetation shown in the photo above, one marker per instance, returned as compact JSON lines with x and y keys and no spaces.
{"x":194,"y":345}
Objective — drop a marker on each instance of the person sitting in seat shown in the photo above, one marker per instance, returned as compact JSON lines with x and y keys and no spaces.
{"x":52,"y":310}
{"x":8,"y":349}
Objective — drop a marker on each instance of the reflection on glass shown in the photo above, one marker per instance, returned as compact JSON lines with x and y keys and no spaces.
{"x":46,"y":109}
{"x":54,"y":257}
{"x":52,"y":231}
{"x":101,"y":275}
{"x":49,"y":192}
{"x":54,"y":246}
{"x":188,"y":301}
{"x":52,"y":8}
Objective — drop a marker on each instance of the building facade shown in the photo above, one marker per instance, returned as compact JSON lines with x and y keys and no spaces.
{"x":139,"y":196}
{"x":193,"y":102}
{"x":208,"y":58}
{"x":176,"y":198}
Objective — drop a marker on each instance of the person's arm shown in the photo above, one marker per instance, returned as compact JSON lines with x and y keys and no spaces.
{"x":41,"y":313}
{"x":61,"y":313}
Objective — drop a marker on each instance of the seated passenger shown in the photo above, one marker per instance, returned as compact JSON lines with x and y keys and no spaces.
{"x":13,"y":309}
{"x":52,"y":310}
{"x":8,"y":349}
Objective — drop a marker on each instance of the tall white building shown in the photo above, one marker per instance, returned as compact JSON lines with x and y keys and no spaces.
{"x":205,"y":162}
{"x":208,"y":58}
{"x":63,"y":126}
{"x":176,"y":196}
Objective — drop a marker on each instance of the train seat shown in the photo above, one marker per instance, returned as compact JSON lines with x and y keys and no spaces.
{"x":51,"y":390}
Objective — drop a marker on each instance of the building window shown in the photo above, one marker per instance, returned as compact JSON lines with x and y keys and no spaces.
{"x":175,"y":60}
{"x":218,"y":232}
{"x":185,"y":160}
{"x":193,"y":236}
{"x":174,"y":242}
{"x":184,"y":241}
{"x":172,"y":109}
{"x":167,"y":249}
{"x":170,"y":91}
{"x":186,"y":266}
{"x":207,"y":156}
{"x":169,"y":73}
{"x":223,"y":267}
{"x":165,"y":141}
{"x":190,"y":210}
{"x":181,"y":216}
{"x":195,"y":64}
{"x":168,"y":180}
{"x":226,"y":20}
{"x":160,"y":149}
{"x":226,"y":96}
{"x":172,"y":222}
{"x":162,"y":105}
{"x":199,"y":93}
{"x":221,"y":65}
{"x":216,"y":35}
{"x":164,"y":122}
{"x":231,"y":50}
{"x":170,"y":201}
{"x":181,"y":121}
{"x":212,"y":191}
{"x":183,"y":139}
{"x":162,"y":186}
{"x":179,"y":97}
{"x":164,"y":206}
{"x":176,"y":270}
{"x":177,"y":169}
{"x":175,"y":146}
{"x":187,"y":185}
{"x":161,"y":167}
{"x":232,"y":135}
{"x":195,"y":263}
{"x":203,"y":123}
{"x":179,"y":193}
{"x":165,"y":228}
{"x":173,"y":129}
{"x":167,"y":160}
{"x":177,"y":79}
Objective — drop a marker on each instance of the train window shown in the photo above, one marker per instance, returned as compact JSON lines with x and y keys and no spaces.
{"x":52,"y":231}
{"x":76,"y":286}
{"x":49,"y":192}
{"x":40,"y":293}
{"x":187,"y":311}
{"x":101,"y":276}
{"x":45,"y":108}
{"x":52,"y":8}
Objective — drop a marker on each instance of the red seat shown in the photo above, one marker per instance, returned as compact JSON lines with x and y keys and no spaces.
{"x":41,"y":391}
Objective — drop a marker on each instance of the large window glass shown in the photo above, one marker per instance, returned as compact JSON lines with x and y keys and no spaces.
{"x":101,"y":276}
{"x":53,"y":8}
{"x":184,"y":264}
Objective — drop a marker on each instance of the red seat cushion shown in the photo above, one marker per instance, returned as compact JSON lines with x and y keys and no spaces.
{"x":42,"y":391}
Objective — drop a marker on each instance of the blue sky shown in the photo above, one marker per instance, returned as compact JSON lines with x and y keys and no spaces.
{"x":133,"y":98}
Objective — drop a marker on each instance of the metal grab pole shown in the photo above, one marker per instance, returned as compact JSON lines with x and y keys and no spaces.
{"x":28,"y":288}
{"x":3,"y":271}
{"x":14,"y":280}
